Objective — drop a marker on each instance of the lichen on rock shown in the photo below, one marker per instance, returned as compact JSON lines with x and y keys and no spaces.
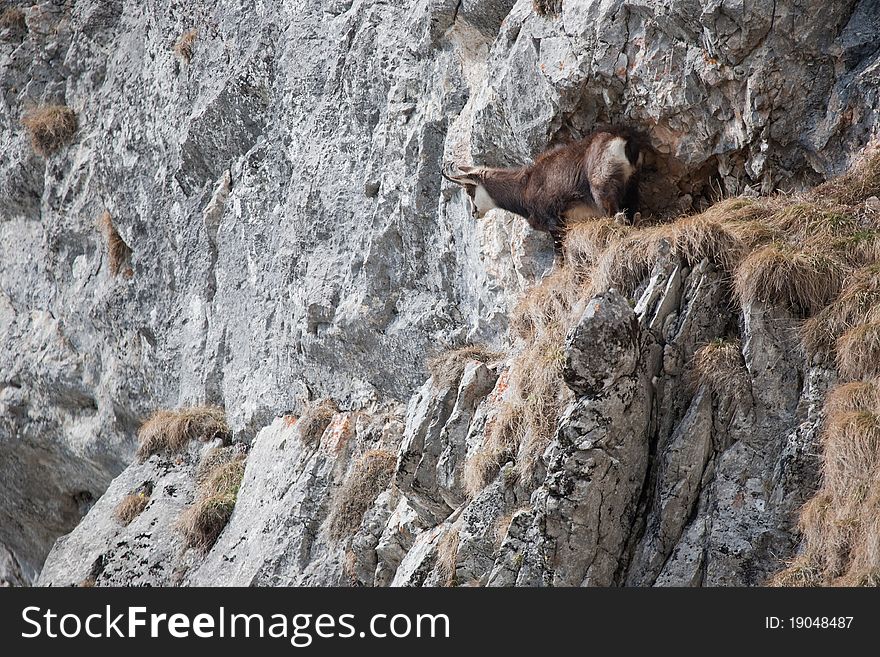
{"x":275,"y":183}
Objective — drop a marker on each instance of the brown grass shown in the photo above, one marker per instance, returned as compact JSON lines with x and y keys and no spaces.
{"x":171,"y":430}
{"x":740,"y":210}
{"x":185,"y":46}
{"x":13,"y":19}
{"x":49,"y":127}
{"x":368,"y":477}
{"x":849,"y":397}
{"x":202,"y":523}
{"x":806,"y":218}
{"x":447,"y":556}
{"x":858,"y":352}
{"x":525,"y":422}
{"x":841,"y":523}
{"x":546,"y":307}
{"x":805,"y":281}
{"x":586,"y":241}
{"x":315,"y":420}
{"x":856,"y":304}
{"x":752,"y":234}
{"x":721,"y":367}
{"x":547,"y":7}
{"x":118,"y":251}
{"x":131,"y":506}
{"x":628,"y":261}
{"x":858,"y":184}
{"x":446,"y":368}
{"x":502,"y":525}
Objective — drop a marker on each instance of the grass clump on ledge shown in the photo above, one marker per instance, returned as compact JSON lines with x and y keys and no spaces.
{"x":805,"y":280}
{"x":547,"y":7}
{"x":858,"y":184}
{"x":720,"y":366}
{"x":216,"y":495}
{"x":858,"y":352}
{"x":315,"y":420}
{"x":368,"y":477}
{"x":118,"y":251}
{"x":184,"y":48}
{"x":447,"y":556}
{"x":171,"y":430}
{"x":628,"y":261}
{"x":49,"y":127}
{"x":13,"y":20}
{"x":131,"y":507}
{"x":856,"y":304}
{"x":446,"y":368}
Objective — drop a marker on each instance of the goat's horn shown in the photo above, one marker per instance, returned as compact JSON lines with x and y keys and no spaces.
{"x":449,"y":171}
{"x":454,"y":173}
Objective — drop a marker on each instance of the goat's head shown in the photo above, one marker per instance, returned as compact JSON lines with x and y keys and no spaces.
{"x":471,"y":179}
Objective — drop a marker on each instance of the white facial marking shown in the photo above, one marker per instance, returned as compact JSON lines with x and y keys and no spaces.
{"x":483,"y":201}
{"x":616,"y":152}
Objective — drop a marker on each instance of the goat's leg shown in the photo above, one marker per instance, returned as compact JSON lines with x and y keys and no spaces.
{"x":630,"y":200}
{"x":557,"y":232}
{"x":608,"y":194}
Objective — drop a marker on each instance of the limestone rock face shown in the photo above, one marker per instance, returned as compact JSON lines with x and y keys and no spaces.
{"x":602,"y":347}
{"x":289,"y":238}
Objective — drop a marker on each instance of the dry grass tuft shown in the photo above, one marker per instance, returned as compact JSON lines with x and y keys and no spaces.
{"x":545,"y":308}
{"x":447,"y":557}
{"x":170,"y":431}
{"x":369,"y":476}
{"x":547,"y":7}
{"x":841,"y":523}
{"x":502,"y":525}
{"x":315,"y":420}
{"x":13,"y":19}
{"x":202,"y":522}
{"x":804,"y":281}
{"x":806,"y":218}
{"x":49,"y":127}
{"x":525,"y":423}
{"x":849,"y":397}
{"x":721,"y":367}
{"x":752,"y":234}
{"x":447,"y":368}
{"x":586,"y":241}
{"x":185,"y":46}
{"x":117,"y":250}
{"x":855,"y":305}
{"x":628,"y":261}
{"x":740,"y":210}
{"x":858,"y":184}
{"x":697,"y":238}
{"x":131,"y":507}
{"x":858,"y":352}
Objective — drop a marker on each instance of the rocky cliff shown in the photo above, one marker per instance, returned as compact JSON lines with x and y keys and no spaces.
{"x":239,"y":206}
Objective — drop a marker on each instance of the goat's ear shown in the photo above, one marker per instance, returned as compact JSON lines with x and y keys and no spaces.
{"x":460,"y":175}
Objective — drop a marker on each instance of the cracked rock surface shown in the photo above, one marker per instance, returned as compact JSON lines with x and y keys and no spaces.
{"x":290,"y":239}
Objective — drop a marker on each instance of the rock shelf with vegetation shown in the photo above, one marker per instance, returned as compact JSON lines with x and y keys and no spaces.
{"x":251,"y":337}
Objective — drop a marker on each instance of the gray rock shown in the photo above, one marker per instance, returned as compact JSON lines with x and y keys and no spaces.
{"x":429,"y":470}
{"x":602,"y":347}
{"x":291,"y":239}
{"x":150,"y":550}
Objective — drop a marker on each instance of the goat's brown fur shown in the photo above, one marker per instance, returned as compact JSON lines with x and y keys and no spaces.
{"x":581,"y":179}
